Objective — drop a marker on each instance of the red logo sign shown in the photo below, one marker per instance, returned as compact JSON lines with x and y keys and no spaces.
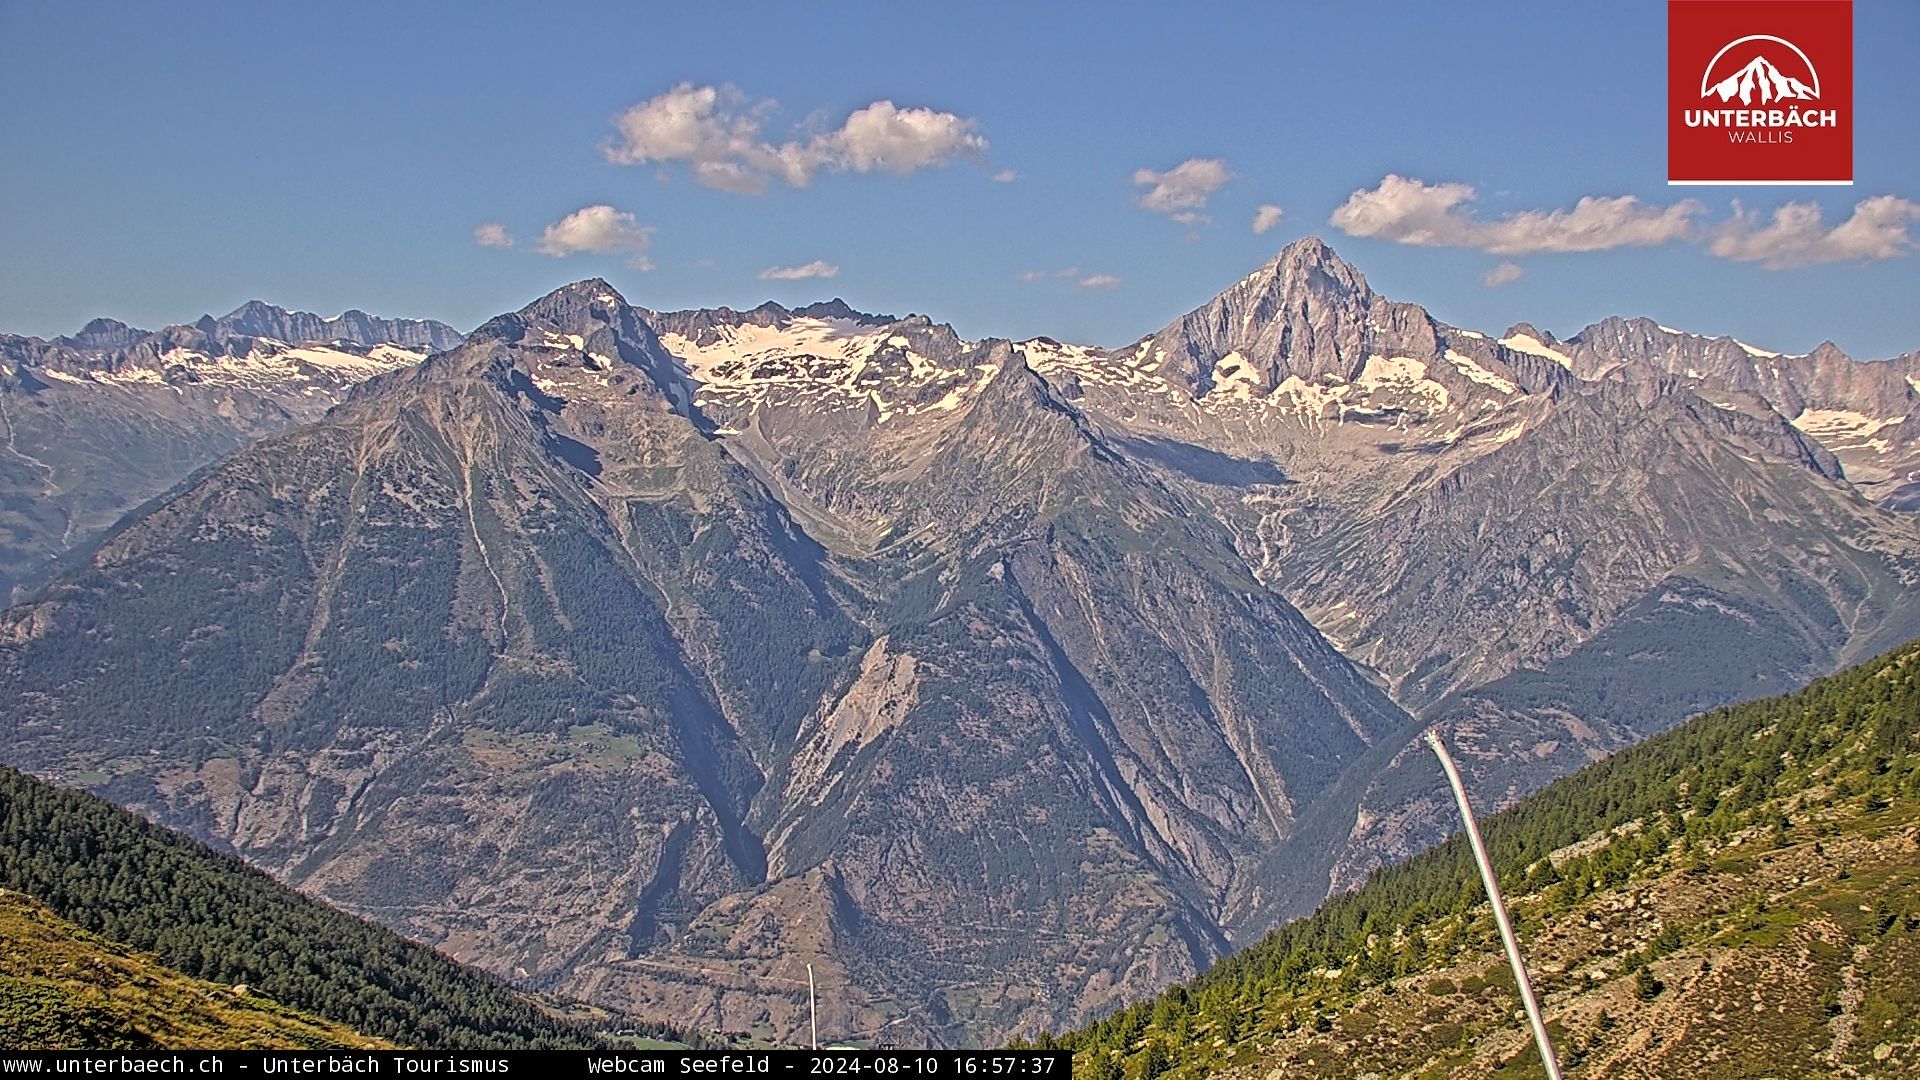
{"x":1759,"y":91}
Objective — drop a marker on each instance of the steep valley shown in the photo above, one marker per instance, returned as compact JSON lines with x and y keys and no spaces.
{"x":648,"y":657}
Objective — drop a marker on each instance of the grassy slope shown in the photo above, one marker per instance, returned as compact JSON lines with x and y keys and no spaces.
{"x":1739,"y":897}
{"x":62,"y":988}
{"x":212,"y":917}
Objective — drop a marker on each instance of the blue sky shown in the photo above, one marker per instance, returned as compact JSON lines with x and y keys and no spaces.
{"x":161,"y":160}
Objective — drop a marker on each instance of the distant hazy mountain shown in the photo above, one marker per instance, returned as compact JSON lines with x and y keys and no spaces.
{"x":1866,"y":414}
{"x":651,"y":656}
{"x":100,"y":421}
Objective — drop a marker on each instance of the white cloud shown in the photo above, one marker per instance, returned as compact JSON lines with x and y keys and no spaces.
{"x":687,"y":123}
{"x":1408,"y":211}
{"x":731,"y":176}
{"x":1505,"y":274}
{"x":1070,"y":273}
{"x":818,"y":268}
{"x":1005,"y":176}
{"x":1266,"y":218}
{"x":598,"y":230}
{"x":492,"y":234}
{"x":895,"y":140}
{"x":716,"y":131}
{"x":1796,"y":235}
{"x":1184,"y":188}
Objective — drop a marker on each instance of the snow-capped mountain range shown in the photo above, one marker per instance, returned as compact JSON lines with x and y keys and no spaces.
{"x":1342,"y":356}
{"x":821,"y":637}
{"x":1243,"y":362}
{"x":100,"y":421}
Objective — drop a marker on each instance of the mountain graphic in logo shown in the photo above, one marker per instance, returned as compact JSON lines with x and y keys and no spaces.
{"x":1760,"y":81}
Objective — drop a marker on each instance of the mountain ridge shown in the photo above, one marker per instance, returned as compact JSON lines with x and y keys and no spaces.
{"x":839,"y":639}
{"x":98,"y":422}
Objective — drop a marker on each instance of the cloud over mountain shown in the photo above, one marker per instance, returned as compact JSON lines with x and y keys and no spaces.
{"x":818,"y":268}
{"x":717,"y":132}
{"x":598,"y":230}
{"x":1410,"y":211}
{"x":1182,"y":191}
{"x":1796,"y":235}
{"x":1504,"y":274}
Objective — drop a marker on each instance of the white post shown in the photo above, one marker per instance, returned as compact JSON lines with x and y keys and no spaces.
{"x":813,"y":1013}
{"x":1499,"y":908}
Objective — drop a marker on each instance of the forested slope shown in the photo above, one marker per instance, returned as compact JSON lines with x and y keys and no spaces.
{"x":211,"y":917}
{"x":62,"y":988}
{"x":1733,"y":898}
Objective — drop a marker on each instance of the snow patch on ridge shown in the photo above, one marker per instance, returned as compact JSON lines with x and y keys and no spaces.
{"x":839,"y":362}
{"x":1233,"y":376}
{"x":1471,"y":368}
{"x":1527,"y":343}
{"x":1401,"y":374}
{"x":1844,"y":429}
{"x":268,"y":366}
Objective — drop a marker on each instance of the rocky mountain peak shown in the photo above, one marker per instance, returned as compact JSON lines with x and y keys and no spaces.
{"x":1528,"y":330}
{"x":253,"y":311}
{"x":576,"y":332}
{"x":837,"y":308}
{"x":1310,"y":263}
{"x":1617,"y":328}
{"x":567,"y":304}
{"x":1306,"y":312}
{"x":259,"y":319}
{"x":1019,"y":403}
{"x":581,"y":309}
{"x":104,"y":334}
{"x":1828,"y":353}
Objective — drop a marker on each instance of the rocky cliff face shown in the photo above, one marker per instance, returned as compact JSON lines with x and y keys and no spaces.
{"x":513,"y":654}
{"x":650,"y":656}
{"x":1865,"y":413}
{"x":256,"y":319}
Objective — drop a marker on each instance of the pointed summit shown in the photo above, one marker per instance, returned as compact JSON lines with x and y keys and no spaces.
{"x":253,"y":310}
{"x":580,"y":293}
{"x":579,"y":308}
{"x":586,"y":326}
{"x":1309,"y":255}
{"x":1306,"y":312}
{"x":1828,"y":353}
